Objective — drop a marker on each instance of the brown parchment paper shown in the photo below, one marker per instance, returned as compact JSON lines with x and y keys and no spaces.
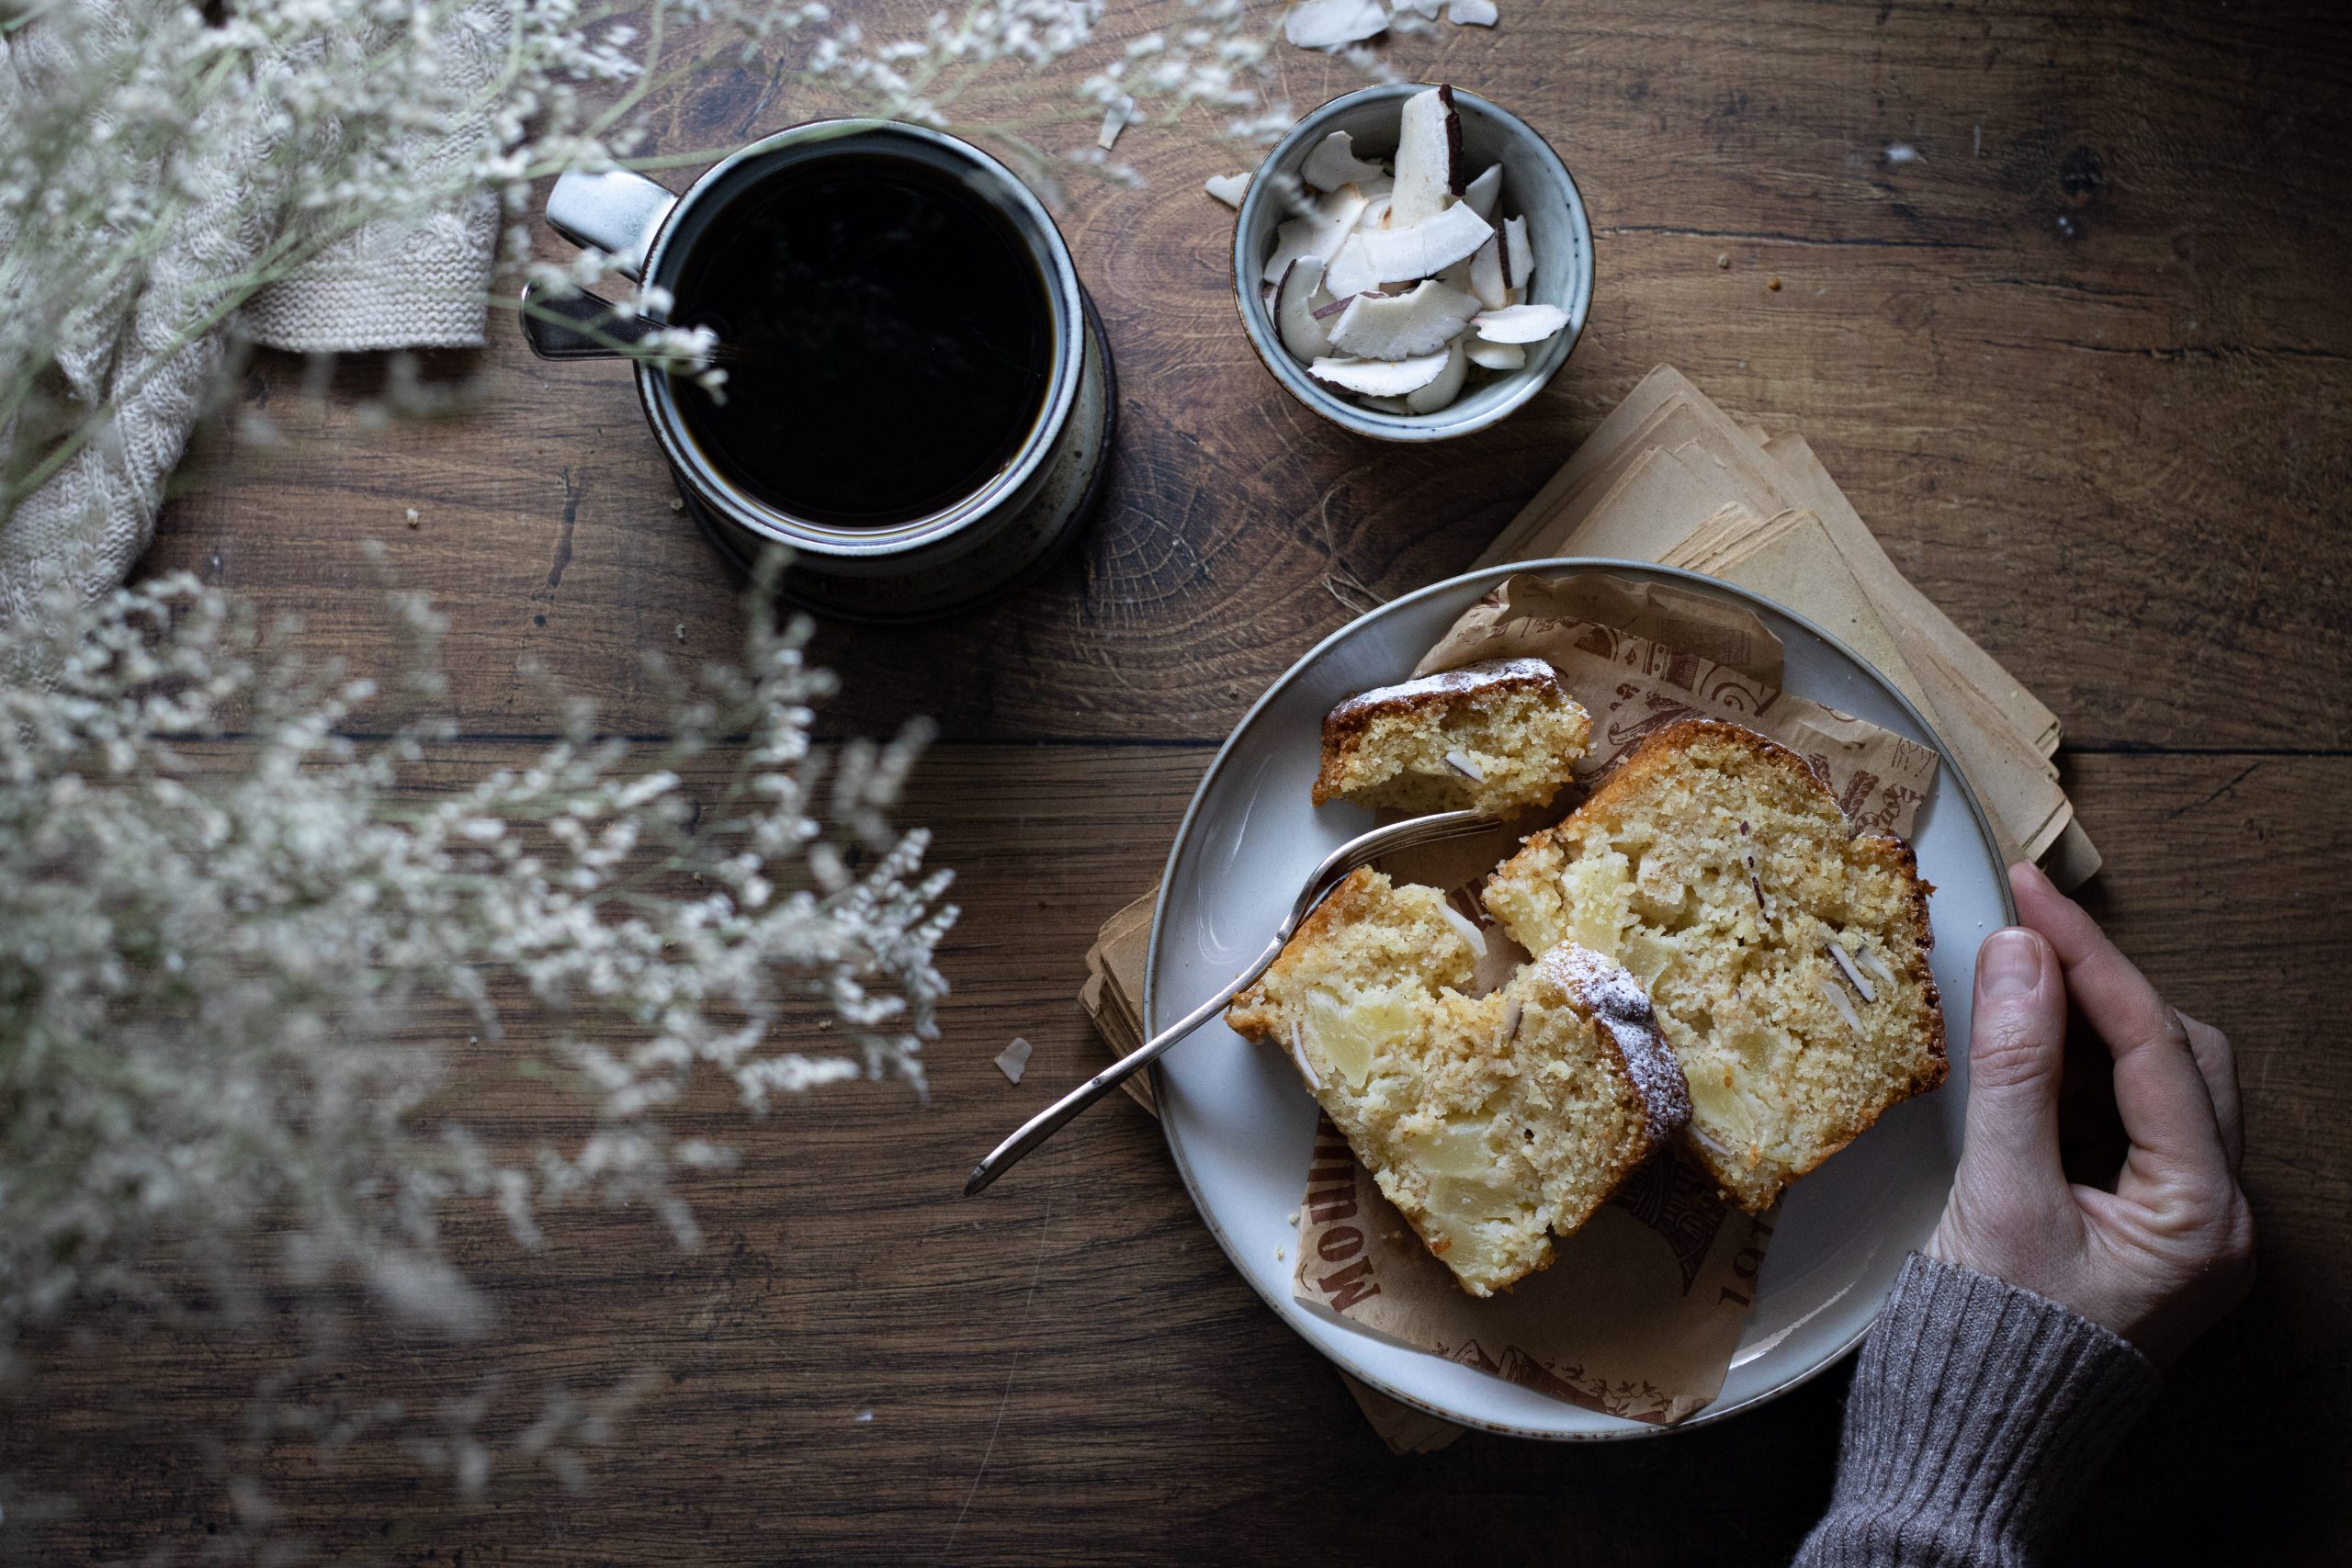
{"x":1637,"y":1317}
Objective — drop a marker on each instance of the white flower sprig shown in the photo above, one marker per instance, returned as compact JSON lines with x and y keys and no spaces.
{"x":216,"y":945}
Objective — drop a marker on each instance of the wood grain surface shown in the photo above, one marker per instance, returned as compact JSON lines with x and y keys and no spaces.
{"x":2085,"y":366}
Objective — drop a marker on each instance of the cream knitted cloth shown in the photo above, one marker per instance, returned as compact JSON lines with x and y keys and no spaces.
{"x":414,"y":283}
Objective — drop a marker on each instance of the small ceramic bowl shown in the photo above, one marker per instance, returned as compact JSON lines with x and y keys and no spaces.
{"x":1536,"y":185}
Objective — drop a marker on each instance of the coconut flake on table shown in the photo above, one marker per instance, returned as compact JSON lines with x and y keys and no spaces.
{"x":1014,"y":1060}
{"x":1114,"y":120}
{"x":1228,"y":188}
{"x":1333,"y":24}
{"x":1380,"y":377}
{"x":1520,"y":323}
{"x":1472,"y":12}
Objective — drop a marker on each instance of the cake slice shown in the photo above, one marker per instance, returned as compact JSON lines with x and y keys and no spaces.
{"x":1492,"y":736}
{"x":1492,"y":1122}
{"x":1786,"y":955}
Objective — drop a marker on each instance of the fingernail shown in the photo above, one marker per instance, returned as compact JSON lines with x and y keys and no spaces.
{"x":2010,"y":965}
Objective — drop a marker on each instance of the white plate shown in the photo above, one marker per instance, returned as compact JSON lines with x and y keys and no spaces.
{"x":1240,"y":1125}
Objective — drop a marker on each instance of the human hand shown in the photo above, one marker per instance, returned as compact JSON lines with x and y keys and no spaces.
{"x":2159,"y":1243}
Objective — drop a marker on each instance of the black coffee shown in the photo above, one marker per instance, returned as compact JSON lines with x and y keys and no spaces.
{"x":885,"y":334}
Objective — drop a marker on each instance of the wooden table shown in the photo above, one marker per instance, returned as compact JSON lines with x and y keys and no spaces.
{"x":2085,"y":366}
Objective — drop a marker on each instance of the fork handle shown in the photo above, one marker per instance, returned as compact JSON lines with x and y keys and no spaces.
{"x":1049,"y":1121}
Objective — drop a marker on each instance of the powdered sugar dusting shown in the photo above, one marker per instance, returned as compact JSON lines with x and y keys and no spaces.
{"x":1623,"y":1005}
{"x":1486,"y":675}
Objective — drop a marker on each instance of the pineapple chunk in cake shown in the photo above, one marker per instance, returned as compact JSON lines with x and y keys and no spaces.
{"x":1787,"y":956}
{"x":1492,"y":1122}
{"x":1493,"y":737}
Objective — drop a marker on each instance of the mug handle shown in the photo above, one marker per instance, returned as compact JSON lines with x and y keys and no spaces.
{"x":615,"y":211}
{"x":577,"y":325}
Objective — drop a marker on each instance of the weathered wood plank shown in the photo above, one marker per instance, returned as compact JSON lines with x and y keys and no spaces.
{"x":2082,"y":362}
{"x":1068,"y":1370}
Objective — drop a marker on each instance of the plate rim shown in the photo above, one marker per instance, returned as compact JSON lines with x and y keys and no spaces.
{"x":1624,"y":1430}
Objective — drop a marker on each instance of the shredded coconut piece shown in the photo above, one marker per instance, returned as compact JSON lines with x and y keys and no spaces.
{"x":1877,"y":965}
{"x":1846,"y":962}
{"x":1853,"y":1019}
{"x":1470,"y":933}
{"x":1472,"y":12}
{"x":1228,"y":188}
{"x":1014,"y":1060}
{"x":1461,"y":764}
{"x":1329,"y":24}
{"x":1512,"y":1021}
{"x":1298,"y":1055}
{"x":1114,"y":120}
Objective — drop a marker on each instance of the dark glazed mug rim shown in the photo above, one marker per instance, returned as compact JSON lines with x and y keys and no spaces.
{"x":937,"y":533}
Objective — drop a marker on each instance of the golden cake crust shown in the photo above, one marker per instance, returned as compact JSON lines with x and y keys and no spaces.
{"x":1492,"y":1122}
{"x":1827,"y":935}
{"x":1497,"y":735}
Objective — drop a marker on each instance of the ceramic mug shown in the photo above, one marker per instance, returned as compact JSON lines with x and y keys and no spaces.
{"x":947,"y":559}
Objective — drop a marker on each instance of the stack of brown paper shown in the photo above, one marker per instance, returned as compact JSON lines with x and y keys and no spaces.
{"x":1671,"y":477}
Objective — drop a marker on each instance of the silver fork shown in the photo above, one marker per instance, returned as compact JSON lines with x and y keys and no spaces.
{"x":1356,"y":851}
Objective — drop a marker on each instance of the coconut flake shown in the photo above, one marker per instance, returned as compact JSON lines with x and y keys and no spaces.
{"x":1114,"y":120}
{"x":1520,"y":323}
{"x":1316,"y":233}
{"x":1511,"y":1021}
{"x":1333,"y":163}
{"x":1853,"y":1019}
{"x":1442,"y":392}
{"x":1389,"y":405}
{"x":1373,"y":257}
{"x":1380,"y":377}
{"x":1428,"y":161}
{"x":1461,"y":923}
{"x":1461,"y":763}
{"x":1297,"y":322}
{"x":1014,"y":1060}
{"x":1333,"y":24}
{"x":1325,"y":312}
{"x":1375,"y":326}
{"x":1481,"y":194}
{"x":1298,"y":1055}
{"x":1470,"y":13}
{"x":1495,"y":355}
{"x":1846,"y":962}
{"x":1877,"y":967}
{"x":1228,"y":188}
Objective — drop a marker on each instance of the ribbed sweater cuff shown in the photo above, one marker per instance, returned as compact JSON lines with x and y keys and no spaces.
{"x":1980,"y":1413}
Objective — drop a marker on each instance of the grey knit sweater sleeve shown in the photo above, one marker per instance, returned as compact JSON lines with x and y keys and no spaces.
{"x":1979,"y":1414}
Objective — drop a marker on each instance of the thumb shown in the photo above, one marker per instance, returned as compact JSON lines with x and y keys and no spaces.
{"x":2016,"y":1047}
